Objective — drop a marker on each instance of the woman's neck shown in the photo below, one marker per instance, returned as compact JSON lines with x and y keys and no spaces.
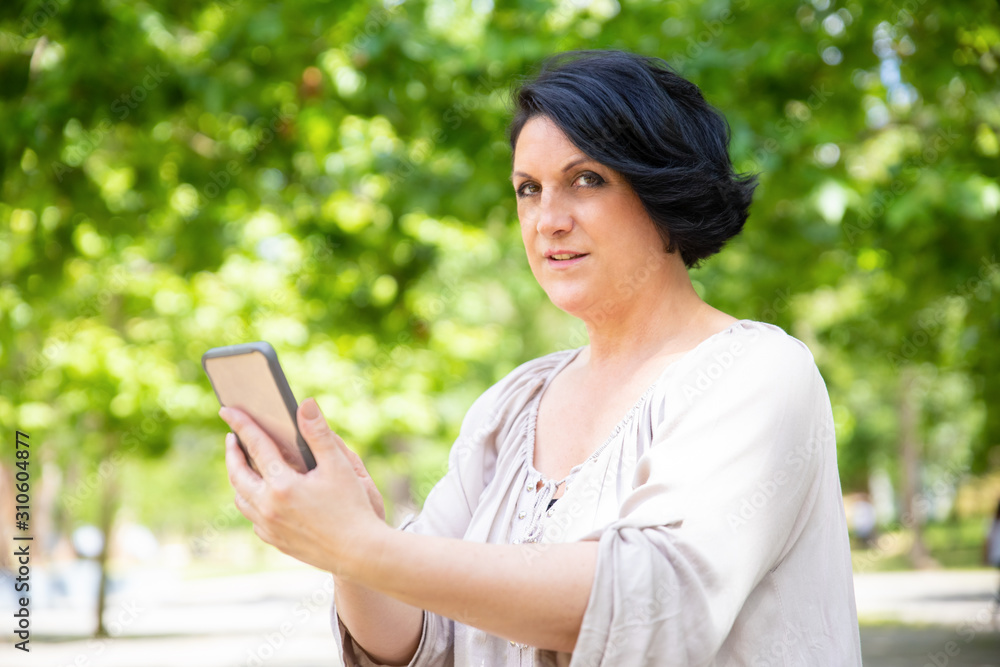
{"x":654,"y":324}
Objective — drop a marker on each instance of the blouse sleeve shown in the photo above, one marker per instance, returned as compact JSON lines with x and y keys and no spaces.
{"x":717,"y":500}
{"x":448,"y":508}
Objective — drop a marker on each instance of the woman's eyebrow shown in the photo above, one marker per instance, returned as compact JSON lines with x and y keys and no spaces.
{"x":564,"y":169}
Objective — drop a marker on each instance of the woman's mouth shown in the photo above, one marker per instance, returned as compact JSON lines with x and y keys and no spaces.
{"x":565,"y":259}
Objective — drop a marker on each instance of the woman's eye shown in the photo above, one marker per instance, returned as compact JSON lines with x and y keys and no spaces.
{"x":523,"y":190}
{"x":588,"y":179}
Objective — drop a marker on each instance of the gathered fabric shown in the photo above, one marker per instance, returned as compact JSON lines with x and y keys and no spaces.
{"x":715,"y":500}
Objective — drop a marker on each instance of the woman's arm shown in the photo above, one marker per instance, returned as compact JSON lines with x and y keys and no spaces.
{"x":387,"y":629}
{"x":532,"y":594}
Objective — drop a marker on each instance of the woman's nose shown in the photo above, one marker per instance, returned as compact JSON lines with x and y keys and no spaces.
{"x":554,"y":217}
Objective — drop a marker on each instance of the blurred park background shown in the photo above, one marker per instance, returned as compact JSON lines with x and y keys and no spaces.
{"x":332,"y":177}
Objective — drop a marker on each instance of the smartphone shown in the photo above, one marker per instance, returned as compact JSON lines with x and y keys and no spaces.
{"x":249,"y":377}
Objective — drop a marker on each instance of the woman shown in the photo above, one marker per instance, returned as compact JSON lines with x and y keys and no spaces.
{"x":666,"y":495}
{"x":991,"y":550}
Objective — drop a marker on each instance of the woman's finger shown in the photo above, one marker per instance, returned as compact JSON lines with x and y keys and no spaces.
{"x":264,"y":535}
{"x":356,"y":462}
{"x":243,"y":479}
{"x":324,"y":443}
{"x":247,"y":509}
{"x":259,"y":444}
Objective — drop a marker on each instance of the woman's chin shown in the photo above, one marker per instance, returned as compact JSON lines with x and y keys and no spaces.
{"x":572,"y":302}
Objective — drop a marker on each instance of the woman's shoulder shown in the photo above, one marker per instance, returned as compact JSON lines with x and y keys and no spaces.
{"x":511,"y":393}
{"x":747,"y":356}
{"x":756,"y":342}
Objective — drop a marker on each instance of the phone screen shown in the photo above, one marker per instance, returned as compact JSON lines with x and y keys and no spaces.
{"x":248,"y":377}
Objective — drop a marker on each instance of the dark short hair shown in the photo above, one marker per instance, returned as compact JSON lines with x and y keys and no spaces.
{"x":636,"y":115}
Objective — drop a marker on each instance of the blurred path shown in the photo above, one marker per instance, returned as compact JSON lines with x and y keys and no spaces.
{"x":278,"y":619}
{"x":281,"y":619}
{"x":956,"y":598}
{"x":929,"y":646}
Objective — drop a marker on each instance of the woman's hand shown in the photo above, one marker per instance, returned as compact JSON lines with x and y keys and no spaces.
{"x":327,"y":517}
{"x":374,"y":496}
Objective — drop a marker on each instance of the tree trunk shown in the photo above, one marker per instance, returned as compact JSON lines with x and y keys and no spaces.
{"x":48,"y":499}
{"x":913,"y":503}
{"x":109,"y":501}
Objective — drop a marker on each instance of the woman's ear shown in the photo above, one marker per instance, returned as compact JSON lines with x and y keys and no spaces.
{"x":665,"y":237}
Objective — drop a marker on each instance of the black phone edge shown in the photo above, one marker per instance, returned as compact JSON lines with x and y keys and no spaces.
{"x":291,"y":405}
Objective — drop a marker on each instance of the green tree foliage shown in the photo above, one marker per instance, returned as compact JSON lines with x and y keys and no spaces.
{"x":332,"y":177}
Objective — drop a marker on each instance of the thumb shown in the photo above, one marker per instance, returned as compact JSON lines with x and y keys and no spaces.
{"x":324,"y":443}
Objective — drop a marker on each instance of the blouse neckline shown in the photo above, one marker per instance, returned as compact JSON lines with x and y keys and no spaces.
{"x":622,"y":423}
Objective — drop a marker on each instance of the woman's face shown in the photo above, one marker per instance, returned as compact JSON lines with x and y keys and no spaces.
{"x":571,"y":205}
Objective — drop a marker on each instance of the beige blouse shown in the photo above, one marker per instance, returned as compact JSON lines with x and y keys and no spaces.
{"x":716,"y":503}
